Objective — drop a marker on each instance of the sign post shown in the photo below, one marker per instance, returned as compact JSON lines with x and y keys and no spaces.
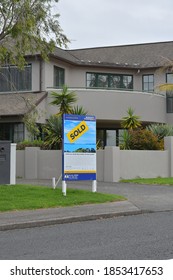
{"x":79,"y":149}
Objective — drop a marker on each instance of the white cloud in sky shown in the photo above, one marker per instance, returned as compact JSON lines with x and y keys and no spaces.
{"x":94,"y":23}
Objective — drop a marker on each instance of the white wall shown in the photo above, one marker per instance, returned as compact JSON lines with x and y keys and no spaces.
{"x":144,"y":164}
{"x":112,"y":163}
{"x":112,"y":105}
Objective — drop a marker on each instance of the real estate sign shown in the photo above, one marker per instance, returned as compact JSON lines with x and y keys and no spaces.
{"x":79,"y":148}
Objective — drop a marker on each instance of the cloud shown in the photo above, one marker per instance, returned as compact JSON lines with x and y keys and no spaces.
{"x":90,"y":23}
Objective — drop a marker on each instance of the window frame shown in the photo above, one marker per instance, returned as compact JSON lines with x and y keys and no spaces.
{"x":109,"y":77}
{"x":15,"y":79}
{"x":16,"y":131}
{"x":147,"y":83}
{"x":169,"y":96}
{"x":59,"y":83}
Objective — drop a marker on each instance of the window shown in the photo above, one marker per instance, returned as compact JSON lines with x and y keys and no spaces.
{"x":148,"y":83}
{"x":107,"y":137}
{"x":13,"y":79}
{"x":104,"y":80}
{"x":18,"y":132}
{"x":58,"y":76}
{"x":12,"y":131}
{"x":169,"y":94}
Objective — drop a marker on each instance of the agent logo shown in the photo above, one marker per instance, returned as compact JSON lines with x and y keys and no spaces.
{"x":77,"y":131}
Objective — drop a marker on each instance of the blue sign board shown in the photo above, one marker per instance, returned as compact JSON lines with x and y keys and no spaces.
{"x":79,"y":147}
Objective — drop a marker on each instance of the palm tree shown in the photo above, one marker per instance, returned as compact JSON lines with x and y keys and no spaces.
{"x":53,"y":132}
{"x":64,"y":100}
{"x":131,"y":121}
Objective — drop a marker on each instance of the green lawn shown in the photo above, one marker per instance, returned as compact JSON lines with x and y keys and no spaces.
{"x":156,"y":181}
{"x":19,"y":197}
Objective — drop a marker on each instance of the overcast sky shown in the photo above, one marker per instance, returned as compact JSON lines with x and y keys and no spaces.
{"x":97,"y":23}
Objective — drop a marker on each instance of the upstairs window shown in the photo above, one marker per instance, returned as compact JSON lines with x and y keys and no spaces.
{"x":148,"y":83}
{"x":106,"y":80}
{"x":169,"y":78}
{"x":13,"y":79}
{"x":59,"y":76}
{"x":169,"y":94}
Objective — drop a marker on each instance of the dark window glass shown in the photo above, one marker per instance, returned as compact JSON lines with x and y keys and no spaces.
{"x":12,"y":131}
{"x":169,"y":104}
{"x":13,"y":79}
{"x":91,"y":80}
{"x":115,"y":81}
{"x":102,"y":81}
{"x":169,"y":93}
{"x":128,"y":82}
{"x":59,"y":76}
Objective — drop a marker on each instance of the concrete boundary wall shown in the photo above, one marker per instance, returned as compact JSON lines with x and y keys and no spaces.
{"x":113,"y":164}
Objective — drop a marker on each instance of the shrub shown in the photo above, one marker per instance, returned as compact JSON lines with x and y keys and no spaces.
{"x":161,"y":130}
{"x":142,"y":139}
{"x":34,"y":143}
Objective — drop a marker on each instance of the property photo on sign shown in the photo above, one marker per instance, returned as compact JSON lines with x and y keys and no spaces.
{"x":79,"y":147}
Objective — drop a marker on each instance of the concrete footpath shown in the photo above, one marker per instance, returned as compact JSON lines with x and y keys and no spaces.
{"x":140,"y":199}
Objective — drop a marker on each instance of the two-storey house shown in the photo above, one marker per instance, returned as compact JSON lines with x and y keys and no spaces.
{"x":107,"y":81}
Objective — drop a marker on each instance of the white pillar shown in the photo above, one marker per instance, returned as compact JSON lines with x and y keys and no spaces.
{"x":94,"y":186}
{"x":53,"y":183}
{"x":13,"y":164}
{"x":64,"y":188}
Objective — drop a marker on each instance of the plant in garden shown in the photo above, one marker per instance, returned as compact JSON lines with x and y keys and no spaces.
{"x":78,"y":110}
{"x":143,"y":139}
{"x":64,"y":100}
{"x":161,"y":130}
{"x":35,"y":143}
{"x":124,"y":140}
{"x":131,"y":121}
{"x":53,"y":132}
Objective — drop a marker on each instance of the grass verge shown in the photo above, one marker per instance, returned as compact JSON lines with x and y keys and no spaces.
{"x":20,"y":197}
{"x":152,"y":181}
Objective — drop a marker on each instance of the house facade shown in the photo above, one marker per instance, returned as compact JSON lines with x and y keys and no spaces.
{"x":106,"y":80}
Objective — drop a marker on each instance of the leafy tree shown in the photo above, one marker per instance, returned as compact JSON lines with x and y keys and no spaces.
{"x":27,"y":27}
{"x":130,"y":121}
{"x":64,"y":100}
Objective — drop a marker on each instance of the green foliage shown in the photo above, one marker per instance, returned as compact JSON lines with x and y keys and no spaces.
{"x":124,"y":140}
{"x":29,"y":120}
{"x":53,"y":133}
{"x":28,"y":27}
{"x":64,"y":100}
{"x":36,"y":143}
{"x":161,"y":130}
{"x":19,"y":197}
{"x":142,"y":139}
{"x":78,"y":110}
{"x":53,"y":129}
{"x":130,"y":121}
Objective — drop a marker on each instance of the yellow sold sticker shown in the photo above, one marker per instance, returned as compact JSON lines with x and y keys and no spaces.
{"x":77,"y":131}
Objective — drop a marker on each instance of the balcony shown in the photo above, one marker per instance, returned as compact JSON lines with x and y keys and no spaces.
{"x":111,"y":105}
